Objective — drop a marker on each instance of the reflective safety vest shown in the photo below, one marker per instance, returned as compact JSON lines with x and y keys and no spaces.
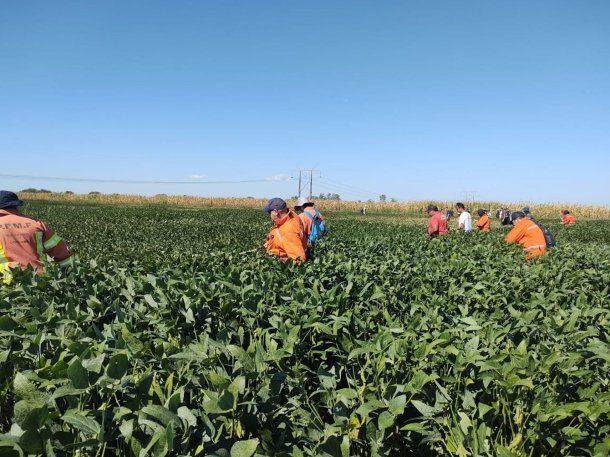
{"x":287,"y":239}
{"x":25,"y":241}
{"x":529,"y":236}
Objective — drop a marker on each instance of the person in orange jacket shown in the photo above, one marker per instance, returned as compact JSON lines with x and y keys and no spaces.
{"x":286,"y":239}
{"x":25,"y":241}
{"x":526,"y":233}
{"x":484,"y":222}
{"x":567,"y":218}
{"x":437,"y":225}
{"x":306,"y":210}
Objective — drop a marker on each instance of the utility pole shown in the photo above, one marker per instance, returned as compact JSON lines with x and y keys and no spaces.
{"x":305,"y":171}
{"x":300,"y":183}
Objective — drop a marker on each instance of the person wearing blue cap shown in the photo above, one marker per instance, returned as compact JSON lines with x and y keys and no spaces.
{"x":286,"y":239}
{"x":25,"y":240}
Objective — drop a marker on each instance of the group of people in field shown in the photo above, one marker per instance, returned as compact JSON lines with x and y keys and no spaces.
{"x":24,"y":240}
{"x":526,"y":231}
{"x":294,"y":232}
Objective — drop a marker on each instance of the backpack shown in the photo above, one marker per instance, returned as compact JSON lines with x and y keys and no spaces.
{"x":318,"y":227}
{"x":548,"y":236}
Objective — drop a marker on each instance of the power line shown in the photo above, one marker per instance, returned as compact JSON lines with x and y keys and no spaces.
{"x":349,"y":187}
{"x":357,"y":195}
{"x":129,"y":181}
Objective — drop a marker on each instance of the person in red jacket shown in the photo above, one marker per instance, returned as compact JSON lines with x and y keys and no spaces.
{"x":567,"y":218}
{"x":286,"y":239}
{"x":437,"y":225}
{"x":25,"y":241}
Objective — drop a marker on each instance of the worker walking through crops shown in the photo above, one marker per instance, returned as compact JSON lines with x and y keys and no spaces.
{"x":484,"y":222}
{"x":528,"y":234}
{"x":286,"y":239}
{"x":437,"y":224}
{"x":567,"y":218}
{"x":314,"y":224}
{"x":25,"y":240}
{"x":465,"y":219}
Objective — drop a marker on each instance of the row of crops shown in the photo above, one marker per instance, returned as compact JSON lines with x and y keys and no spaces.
{"x":170,"y":338}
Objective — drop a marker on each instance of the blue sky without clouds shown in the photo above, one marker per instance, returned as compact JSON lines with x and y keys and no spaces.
{"x":415,"y":99}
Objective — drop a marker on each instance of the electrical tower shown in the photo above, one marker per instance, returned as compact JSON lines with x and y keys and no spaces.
{"x":303,"y":185}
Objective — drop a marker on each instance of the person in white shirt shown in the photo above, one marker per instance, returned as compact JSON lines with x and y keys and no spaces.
{"x":465,"y":220}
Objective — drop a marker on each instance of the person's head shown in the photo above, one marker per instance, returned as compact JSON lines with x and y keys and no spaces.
{"x":516,"y":216}
{"x":432,"y":209}
{"x":480,"y":212}
{"x":460,"y":208}
{"x":9,"y":200}
{"x":302,"y":203}
{"x":525,"y":210}
{"x":565,"y":212}
{"x":276,"y":208}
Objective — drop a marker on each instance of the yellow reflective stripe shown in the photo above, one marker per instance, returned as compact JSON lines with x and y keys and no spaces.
{"x":66,"y":262}
{"x":52,"y":242}
{"x":5,"y":273}
{"x":3,"y":257}
{"x":39,"y":245}
{"x":537,"y":246}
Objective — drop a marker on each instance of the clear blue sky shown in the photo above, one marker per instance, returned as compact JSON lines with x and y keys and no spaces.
{"x":418,"y":100}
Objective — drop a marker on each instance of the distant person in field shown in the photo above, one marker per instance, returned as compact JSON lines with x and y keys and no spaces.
{"x":314,"y":224}
{"x":465,"y":219}
{"x":484,"y":222}
{"x":526,"y":210}
{"x":24,"y":240}
{"x":567,"y":218}
{"x":286,"y":240}
{"x":528,"y":234}
{"x":437,"y":224}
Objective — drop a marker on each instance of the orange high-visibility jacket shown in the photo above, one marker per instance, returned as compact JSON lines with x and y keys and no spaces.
{"x":484,"y":223}
{"x":287,"y":239}
{"x":307,"y":221}
{"x":25,"y":240}
{"x":568,"y":219}
{"x":529,"y":236}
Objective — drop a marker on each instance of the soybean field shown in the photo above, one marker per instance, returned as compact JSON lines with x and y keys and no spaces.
{"x":175,"y":334}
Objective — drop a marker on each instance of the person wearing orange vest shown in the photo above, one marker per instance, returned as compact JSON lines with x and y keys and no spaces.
{"x":484,"y":222}
{"x":567,"y":218}
{"x":437,"y":225}
{"x":24,"y":240}
{"x":306,"y":211}
{"x":526,"y":233}
{"x":286,"y":239}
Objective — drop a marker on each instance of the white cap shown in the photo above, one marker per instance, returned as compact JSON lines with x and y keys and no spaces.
{"x":303,"y":200}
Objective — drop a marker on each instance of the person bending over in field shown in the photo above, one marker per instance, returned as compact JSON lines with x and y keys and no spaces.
{"x":25,"y":240}
{"x":526,"y":233}
{"x":286,"y":239}
{"x":484,"y":222}
{"x":567,"y":218}
{"x":437,"y":225}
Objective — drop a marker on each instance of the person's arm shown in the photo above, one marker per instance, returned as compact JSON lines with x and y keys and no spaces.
{"x":481,"y":222}
{"x":432,"y":226}
{"x":292,"y":244}
{"x":55,"y":247}
{"x":514,"y":235}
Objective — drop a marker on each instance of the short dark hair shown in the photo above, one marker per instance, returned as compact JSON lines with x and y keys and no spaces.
{"x":432,"y":208}
{"x":480,"y":212}
{"x":516,"y":215}
{"x":460,"y":205}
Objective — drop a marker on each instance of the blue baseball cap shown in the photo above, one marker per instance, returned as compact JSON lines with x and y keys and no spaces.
{"x":275,"y":204}
{"x":9,"y":199}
